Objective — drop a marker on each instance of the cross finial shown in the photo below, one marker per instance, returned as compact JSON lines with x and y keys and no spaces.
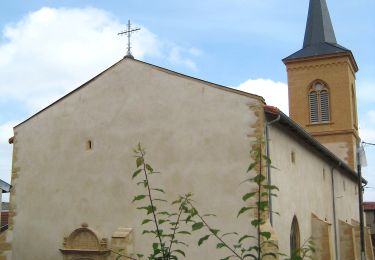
{"x":128,"y":31}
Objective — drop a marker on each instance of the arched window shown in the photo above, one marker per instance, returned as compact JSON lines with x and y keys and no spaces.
{"x":319,"y":103}
{"x":294,"y":238}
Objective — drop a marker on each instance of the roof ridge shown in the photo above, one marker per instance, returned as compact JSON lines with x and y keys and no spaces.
{"x":215,"y":85}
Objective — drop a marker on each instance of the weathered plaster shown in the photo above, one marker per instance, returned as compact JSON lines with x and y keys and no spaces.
{"x":197,"y":135}
{"x":306,"y":188}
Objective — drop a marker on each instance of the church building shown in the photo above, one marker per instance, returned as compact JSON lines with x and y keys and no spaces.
{"x":72,"y":186}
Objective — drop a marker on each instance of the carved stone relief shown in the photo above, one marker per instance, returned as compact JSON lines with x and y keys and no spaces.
{"x":84,"y":244}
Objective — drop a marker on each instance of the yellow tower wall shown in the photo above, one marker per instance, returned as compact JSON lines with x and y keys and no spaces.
{"x":337,"y":72}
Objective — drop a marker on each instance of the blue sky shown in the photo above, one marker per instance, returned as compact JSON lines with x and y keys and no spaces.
{"x":48,"y":48}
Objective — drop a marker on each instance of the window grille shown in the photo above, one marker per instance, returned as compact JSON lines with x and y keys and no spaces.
{"x":319,"y":104}
{"x":313,"y":99}
{"x":324,"y":106}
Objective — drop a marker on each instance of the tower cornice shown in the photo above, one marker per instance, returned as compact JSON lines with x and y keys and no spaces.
{"x":349,"y":55}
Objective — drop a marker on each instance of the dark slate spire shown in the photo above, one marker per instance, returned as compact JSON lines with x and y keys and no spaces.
{"x":319,"y":27}
{"x":319,"y":35}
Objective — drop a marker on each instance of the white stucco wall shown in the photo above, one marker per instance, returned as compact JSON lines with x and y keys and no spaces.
{"x":306,"y":188}
{"x":197,"y":135}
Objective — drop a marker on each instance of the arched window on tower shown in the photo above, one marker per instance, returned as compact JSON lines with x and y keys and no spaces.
{"x":294,"y":238}
{"x":319,"y":103}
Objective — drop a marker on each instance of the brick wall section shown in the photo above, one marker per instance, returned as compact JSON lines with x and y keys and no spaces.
{"x":4,"y":218}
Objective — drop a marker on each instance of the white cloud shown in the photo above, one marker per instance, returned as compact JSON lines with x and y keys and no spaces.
{"x":367,"y":135}
{"x":275,"y":93}
{"x":177,"y":57}
{"x":52,"y":51}
{"x":6,"y":131}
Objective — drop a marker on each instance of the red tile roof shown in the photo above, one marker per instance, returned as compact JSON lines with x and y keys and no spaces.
{"x":271,"y":109}
{"x":369,"y":205}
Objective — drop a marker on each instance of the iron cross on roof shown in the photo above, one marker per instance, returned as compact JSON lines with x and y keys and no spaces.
{"x":128,"y":32}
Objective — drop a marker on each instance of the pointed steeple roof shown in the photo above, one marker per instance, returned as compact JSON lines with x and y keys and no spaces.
{"x":319,"y":27}
{"x":319,"y":35}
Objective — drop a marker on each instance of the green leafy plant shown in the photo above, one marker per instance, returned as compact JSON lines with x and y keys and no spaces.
{"x":166,"y":224}
{"x":306,"y":251}
{"x":247,"y":246}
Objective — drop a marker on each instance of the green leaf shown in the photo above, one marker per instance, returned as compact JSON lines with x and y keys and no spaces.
{"x":248,"y":195}
{"x":184,"y":232}
{"x":267,"y":235}
{"x":270,"y":187}
{"x":136,"y":173}
{"x":251,"y":166}
{"x":161,"y":221}
{"x":197,"y":226}
{"x":160,"y":190}
{"x":179,"y":251}
{"x":149,"y":209}
{"x":163,"y":200}
{"x":220,"y":245}
{"x":202,"y":239}
{"x":139,"y":197}
{"x":259,"y":179}
{"x":250,"y":255}
{"x":256,"y":222}
{"x":149,"y":168}
{"x":242,"y":210}
{"x":245,"y":237}
{"x":139,"y":161}
{"x":262,"y":205}
{"x":155,"y":246}
{"x":214,"y":231}
{"x":164,"y":213}
{"x":209,"y":215}
{"x":145,"y":221}
{"x":229,"y":233}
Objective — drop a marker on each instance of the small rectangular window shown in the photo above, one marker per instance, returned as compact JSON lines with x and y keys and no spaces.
{"x":88,"y":145}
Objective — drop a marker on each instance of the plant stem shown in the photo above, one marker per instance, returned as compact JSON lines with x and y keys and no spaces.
{"x":175,"y":227}
{"x":219,"y":238}
{"x":153,"y":209}
{"x":259,"y":200}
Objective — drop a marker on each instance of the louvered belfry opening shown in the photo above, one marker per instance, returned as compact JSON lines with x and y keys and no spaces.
{"x":319,"y":103}
{"x":313,"y":99}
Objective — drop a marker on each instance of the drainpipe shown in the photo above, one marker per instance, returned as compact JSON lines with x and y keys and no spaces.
{"x":334,"y":208}
{"x":269,"y":166}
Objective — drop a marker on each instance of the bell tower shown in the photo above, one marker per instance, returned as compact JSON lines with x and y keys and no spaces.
{"x":321,"y":85}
